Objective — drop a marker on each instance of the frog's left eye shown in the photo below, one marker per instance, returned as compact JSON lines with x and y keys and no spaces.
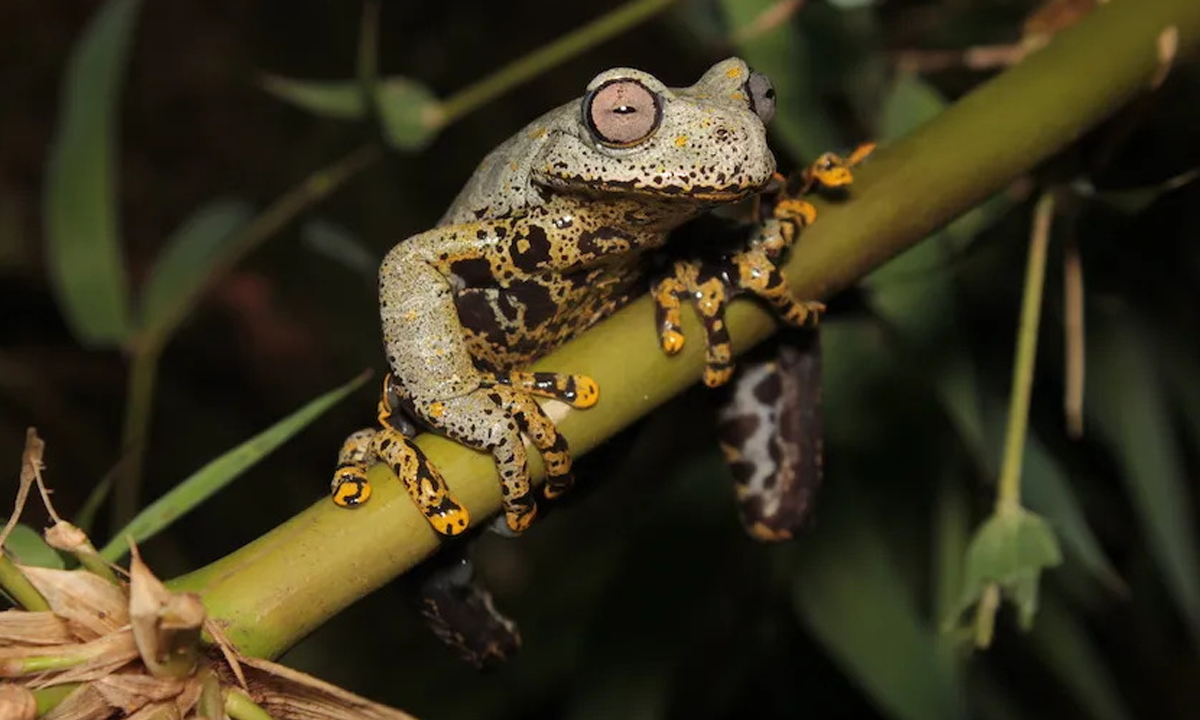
{"x":622,"y":113}
{"x":762,"y":96}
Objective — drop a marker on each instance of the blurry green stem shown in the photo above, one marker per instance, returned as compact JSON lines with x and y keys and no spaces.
{"x":548,"y":56}
{"x":239,"y":706}
{"x":19,"y":588}
{"x":152,"y":339}
{"x":1008,"y":494}
{"x":280,"y":587}
{"x":139,"y":404}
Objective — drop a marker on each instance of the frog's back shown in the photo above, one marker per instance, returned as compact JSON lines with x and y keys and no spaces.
{"x":501,"y":183}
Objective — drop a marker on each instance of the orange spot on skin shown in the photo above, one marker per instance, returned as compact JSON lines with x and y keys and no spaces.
{"x":733,"y":72}
{"x":436,"y":409}
{"x":681,"y":140}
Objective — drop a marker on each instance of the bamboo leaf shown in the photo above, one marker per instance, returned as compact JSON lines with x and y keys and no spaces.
{"x":220,"y":472}
{"x":189,"y":252}
{"x":1129,"y":410}
{"x":28,"y":547}
{"x":410,"y":114}
{"x":337,"y":99}
{"x":80,"y":204}
{"x":849,"y":594}
{"x":1067,"y":650}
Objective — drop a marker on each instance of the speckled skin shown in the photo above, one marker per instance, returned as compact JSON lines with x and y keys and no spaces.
{"x":546,"y":238}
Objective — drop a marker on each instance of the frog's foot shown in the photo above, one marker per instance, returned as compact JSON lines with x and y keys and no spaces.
{"x":421,"y":480}
{"x":350,"y":487}
{"x":707,"y":291}
{"x":461,"y":613}
{"x":756,"y":270}
{"x":492,"y":418}
{"x":832,"y":170}
{"x":578,"y":391}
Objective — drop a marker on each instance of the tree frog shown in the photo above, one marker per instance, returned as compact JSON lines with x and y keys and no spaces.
{"x":550,"y":235}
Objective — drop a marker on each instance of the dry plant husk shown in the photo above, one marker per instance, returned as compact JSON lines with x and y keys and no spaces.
{"x":135,"y":649}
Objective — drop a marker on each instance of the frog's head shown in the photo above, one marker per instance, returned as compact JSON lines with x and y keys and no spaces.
{"x":630,"y":134}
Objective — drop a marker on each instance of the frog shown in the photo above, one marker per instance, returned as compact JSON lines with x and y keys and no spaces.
{"x":550,"y":235}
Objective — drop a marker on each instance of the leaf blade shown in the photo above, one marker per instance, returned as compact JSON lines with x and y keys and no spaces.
{"x":84,"y":256}
{"x":220,"y":471}
{"x":187,"y":257}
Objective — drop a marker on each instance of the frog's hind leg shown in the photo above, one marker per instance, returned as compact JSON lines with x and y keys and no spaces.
{"x":770,"y":432}
{"x":540,"y":429}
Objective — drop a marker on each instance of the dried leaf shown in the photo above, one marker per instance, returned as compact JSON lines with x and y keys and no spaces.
{"x":66,"y":537}
{"x":130,"y":691}
{"x":33,"y":628}
{"x":17,"y":703}
{"x":161,"y":711}
{"x":83,"y":704}
{"x":166,"y":625}
{"x":75,"y":662}
{"x":292,"y":695}
{"x":91,"y":605}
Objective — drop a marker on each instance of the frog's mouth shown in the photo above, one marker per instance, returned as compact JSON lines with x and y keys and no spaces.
{"x":630,"y":188}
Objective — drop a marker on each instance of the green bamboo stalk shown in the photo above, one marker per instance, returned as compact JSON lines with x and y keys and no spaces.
{"x":273,"y":591}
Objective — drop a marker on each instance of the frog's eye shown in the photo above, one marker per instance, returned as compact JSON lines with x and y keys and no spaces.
{"x":762,"y":96}
{"x":622,"y":113}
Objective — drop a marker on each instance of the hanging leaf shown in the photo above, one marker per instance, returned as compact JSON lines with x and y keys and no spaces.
{"x":189,"y":252}
{"x":338,"y":99}
{"x":80,"y":200}
{"x":410,"y":114}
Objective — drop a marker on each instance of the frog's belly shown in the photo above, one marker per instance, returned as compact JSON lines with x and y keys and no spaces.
{"x":507,"y":327}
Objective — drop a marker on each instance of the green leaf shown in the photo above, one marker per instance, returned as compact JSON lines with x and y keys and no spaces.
{"x":338,"y":99}
{"x":1010,"y":550}
{"x":1129,"y":410}
{"x":1047,"y":491}
{"x":189,"y":252}
{"x":410,"y":114}
{"x":29,"y":548}
{"x":848,"y":592}
{"x":1066,"y":648}
{"x":80,"y":205}
{"x":220,"y":472}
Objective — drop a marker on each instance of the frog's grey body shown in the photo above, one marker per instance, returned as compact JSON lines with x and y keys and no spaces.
{"x":546,"y":238}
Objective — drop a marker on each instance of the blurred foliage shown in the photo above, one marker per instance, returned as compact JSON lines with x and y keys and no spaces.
{"x":639,"y":596}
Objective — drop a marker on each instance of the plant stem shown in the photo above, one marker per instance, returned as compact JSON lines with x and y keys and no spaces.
{"x":148,"y":348}
{"x":19,"y":588}
{"x":564,"y":48}
{"x":275,"y":590}
{"x":239,"y":706}
{"x":1008,"y":492}
{"x":139,"y":407}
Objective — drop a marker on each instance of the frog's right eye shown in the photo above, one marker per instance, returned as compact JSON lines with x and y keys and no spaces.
{"x":622,"y":113}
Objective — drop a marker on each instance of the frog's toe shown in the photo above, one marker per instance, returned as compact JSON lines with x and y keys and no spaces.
{"x":349,"y":487}
{"x":422,"y":481}
{"x":578,"y":391}
{"x":541,"y":431}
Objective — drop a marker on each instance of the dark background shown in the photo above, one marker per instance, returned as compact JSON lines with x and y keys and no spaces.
{"x":640,"y":596}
